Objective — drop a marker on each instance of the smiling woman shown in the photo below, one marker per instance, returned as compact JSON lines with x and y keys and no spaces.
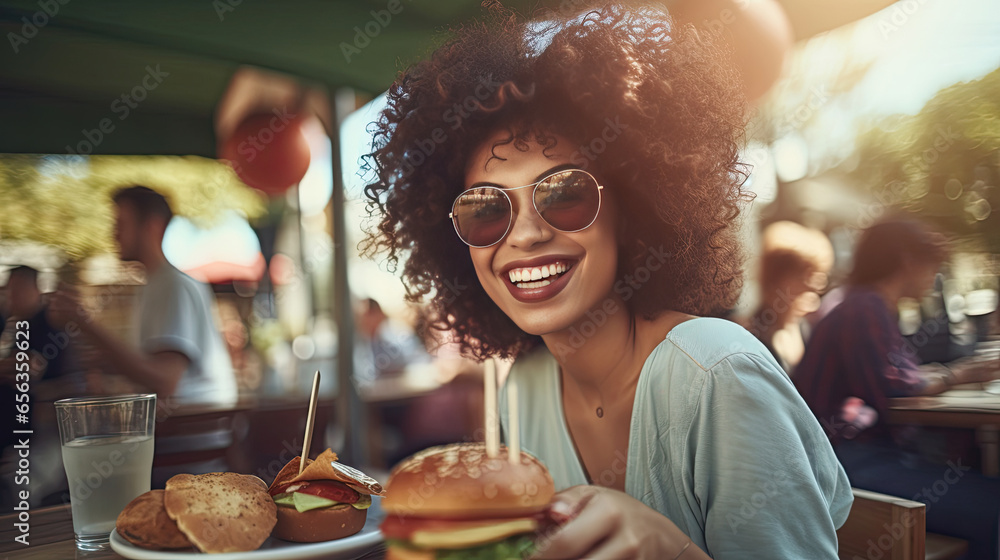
{"x":587,"y":166}
{"x":654,"y":112}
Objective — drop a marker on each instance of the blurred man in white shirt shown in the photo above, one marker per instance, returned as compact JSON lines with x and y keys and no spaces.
{"x":181,"y":355}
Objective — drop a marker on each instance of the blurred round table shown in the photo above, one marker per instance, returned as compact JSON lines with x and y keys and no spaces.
{"x":974,"y":406}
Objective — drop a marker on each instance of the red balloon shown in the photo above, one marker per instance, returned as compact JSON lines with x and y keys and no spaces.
{"x":268,"y":151}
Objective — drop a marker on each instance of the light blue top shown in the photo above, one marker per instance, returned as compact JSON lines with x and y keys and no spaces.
{"x":720,"y":443}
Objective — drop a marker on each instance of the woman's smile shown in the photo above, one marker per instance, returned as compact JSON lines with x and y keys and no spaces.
{"x":539,"y":279}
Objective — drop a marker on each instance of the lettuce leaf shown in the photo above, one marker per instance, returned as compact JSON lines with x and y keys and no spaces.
{"x":512,"y":548}
{"x":516,"y":547}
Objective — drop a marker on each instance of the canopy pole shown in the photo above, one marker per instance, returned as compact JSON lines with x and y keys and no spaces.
{"x":349,"y":413}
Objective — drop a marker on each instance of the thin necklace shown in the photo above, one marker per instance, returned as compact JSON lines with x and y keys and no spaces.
{"x":600,"y":408}
{"x":600,"y":393}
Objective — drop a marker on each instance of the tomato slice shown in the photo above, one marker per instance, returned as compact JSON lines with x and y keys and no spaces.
{"x":331,"y":490}
{"x":282,"y":488}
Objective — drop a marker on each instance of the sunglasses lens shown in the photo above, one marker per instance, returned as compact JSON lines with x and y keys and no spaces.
{"x":482,"y":216}
{"x":568,"y":200}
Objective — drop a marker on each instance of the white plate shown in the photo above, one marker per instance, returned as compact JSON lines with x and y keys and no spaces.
{"x":273,"y":549}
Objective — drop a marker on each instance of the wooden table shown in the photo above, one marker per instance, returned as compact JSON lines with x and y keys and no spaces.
{"x":968,"y":406}
{"x":51,"y":537}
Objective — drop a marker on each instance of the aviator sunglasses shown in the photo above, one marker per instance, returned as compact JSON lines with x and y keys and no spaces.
{"x":567,"y":200}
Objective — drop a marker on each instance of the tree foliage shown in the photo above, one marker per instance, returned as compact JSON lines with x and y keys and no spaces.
{"x":942,"y":164}
{"x":65,"y":201}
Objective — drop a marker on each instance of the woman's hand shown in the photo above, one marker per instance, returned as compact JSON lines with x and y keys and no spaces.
{"x":602,"y":523}
{"x":974,"y":369}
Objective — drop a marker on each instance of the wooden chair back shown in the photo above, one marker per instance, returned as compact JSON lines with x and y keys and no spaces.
{"x":882,"y":527}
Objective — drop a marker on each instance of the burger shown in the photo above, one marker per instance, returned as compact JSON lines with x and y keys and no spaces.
{"x":455,"y":501}
{"x":327,"y":501}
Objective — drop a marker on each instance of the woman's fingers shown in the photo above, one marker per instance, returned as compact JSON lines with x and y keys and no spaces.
{"x":568,"y":503}
{"x":622,"y":546}
{"x":598,"y":519}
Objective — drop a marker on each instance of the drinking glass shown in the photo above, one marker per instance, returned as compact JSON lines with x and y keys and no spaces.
{"x":107,"y":449}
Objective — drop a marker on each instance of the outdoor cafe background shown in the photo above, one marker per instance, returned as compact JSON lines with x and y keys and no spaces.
{"x":897,"y":112}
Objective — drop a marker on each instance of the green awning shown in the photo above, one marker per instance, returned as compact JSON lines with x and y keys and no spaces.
{"x":65,"y":73}
{"x":65,"y":65}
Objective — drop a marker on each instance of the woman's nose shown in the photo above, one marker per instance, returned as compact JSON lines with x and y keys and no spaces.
{"x":528,"y":227}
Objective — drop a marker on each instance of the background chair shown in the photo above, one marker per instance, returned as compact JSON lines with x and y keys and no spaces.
{"x":890,"y":528}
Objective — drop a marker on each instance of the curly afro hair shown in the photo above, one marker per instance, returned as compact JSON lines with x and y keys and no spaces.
{"x":675,"y":112}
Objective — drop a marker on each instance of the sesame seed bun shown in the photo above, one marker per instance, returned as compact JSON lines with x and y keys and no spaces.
{"x":460,"y":481}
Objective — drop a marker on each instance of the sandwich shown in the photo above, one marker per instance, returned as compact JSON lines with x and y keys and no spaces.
{"x":455,"y":501}
{"x":327,"y":501}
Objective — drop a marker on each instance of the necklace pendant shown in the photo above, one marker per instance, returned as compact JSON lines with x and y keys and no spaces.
{"x":600,"y":412}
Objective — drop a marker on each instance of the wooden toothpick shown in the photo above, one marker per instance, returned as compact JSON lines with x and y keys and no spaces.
{"x":492,"y":420}
{"x":514,"y":437}
{"x":310,"y":420}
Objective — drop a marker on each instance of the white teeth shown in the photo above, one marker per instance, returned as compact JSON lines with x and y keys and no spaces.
{"x":538,"y":273}
{"x":531,"y":285}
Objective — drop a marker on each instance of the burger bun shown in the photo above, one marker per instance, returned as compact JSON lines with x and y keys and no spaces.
{"x":318,"y":525}
{"x":461,"y":481}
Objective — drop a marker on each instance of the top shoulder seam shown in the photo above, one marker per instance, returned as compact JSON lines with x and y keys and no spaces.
{"x":717,"y":362}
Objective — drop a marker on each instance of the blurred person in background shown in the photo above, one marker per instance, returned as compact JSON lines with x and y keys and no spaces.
{"x":385,"y":346}
{"x":53,"y":365}
{"x":795,"y":265}
{"x":51,"y":349}
{"x":856,"y":360}
{"x":181,"y":355}
{"x":54,"y":372}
